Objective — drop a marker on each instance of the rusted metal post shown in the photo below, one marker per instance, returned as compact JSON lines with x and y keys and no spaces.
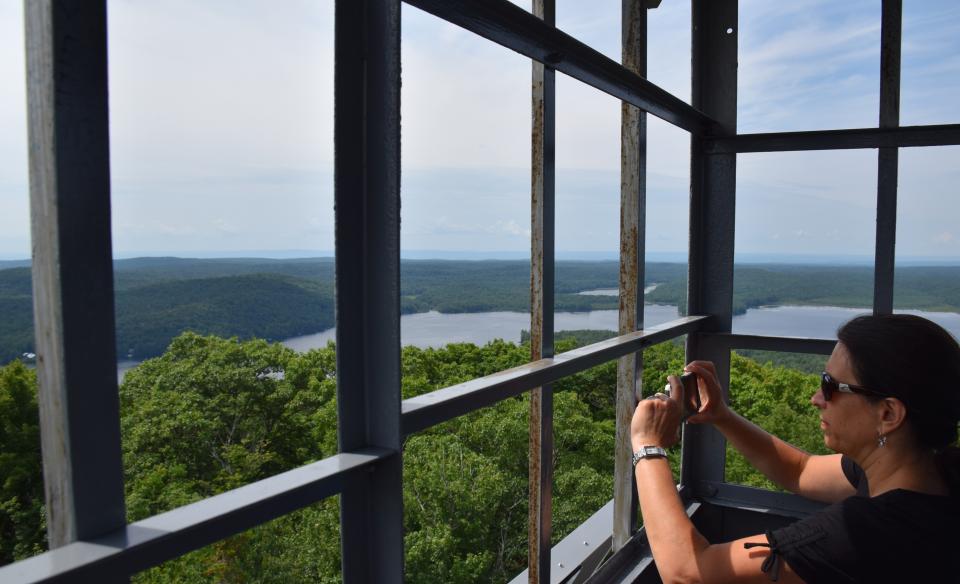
{"x":540,"y":475}
{"x":633,"y":166}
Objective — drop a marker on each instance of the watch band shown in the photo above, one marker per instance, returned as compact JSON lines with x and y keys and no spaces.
{"x":649,"y":452}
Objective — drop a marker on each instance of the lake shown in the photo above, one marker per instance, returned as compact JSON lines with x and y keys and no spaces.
{"x":433,"y":329}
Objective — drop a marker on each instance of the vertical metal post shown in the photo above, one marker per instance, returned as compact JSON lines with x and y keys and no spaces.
{"x":73,"y":268}
{"x":887,"y":158}
{"x":633,"y":210}
{"x":712,"y":216}
{"x":540,"y":476}
{"x":367,"y":231}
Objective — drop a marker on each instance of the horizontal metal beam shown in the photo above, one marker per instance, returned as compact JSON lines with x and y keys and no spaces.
{"x":513,"y":27}
{"x":432,"y":408}
{"x":159,"y":538}
{"x":903,"y":137}
{"x":768,"y":343}
{"x":756,"y":500}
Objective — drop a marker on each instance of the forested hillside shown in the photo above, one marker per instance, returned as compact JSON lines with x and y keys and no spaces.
{"x":259,"y":305}
{"x":211,"y":414}
{"x":158,"y":298}
{"x":16,"y":313}
{"x":934,"y":288}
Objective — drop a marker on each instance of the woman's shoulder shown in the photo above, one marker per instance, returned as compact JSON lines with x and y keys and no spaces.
{"x":902,"y":509}
{"x":853,"y":540}
{"x":898,"y":517}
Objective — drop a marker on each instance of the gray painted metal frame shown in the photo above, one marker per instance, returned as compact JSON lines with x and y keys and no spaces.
{"x":367,"y":235}
{"x":71,"y":218}
{"x":887,"y":157}
{"x":542,"y":246}
{"x":731,"y":341}
{"x":513,"y":27}
{"x":634,"y":561}
{"x":579,"y":553}
{"x":759,"y":500}
{"x":73,"y":268}
{"x":900,"y":137}
{"x":712,"y":217}
{"x":425,"y":411}
{"x":154,"y":540}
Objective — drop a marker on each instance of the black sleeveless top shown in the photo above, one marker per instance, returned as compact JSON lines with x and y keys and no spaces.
{"x":899,"y":536}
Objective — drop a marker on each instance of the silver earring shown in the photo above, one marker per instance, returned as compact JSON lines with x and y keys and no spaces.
{"x":881,"y":440}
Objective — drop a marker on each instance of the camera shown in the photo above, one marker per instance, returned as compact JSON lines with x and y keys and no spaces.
{"x":691,"y":394}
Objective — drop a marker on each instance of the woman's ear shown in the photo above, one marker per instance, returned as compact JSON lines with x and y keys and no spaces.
{"x":892,"y":413}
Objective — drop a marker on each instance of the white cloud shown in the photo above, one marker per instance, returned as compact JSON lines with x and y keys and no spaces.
{"x":224,"y":138}
{"x":510,"y":227}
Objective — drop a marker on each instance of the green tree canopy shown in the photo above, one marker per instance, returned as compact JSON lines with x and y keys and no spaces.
{"x":212,"y":414}
{"x":22,"y":525}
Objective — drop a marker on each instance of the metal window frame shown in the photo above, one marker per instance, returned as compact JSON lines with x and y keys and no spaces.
{"x":66,"y":48}
{"x":367,"y":238}
{"x":858,"y":138}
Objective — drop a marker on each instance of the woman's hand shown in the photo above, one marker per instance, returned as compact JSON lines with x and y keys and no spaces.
{"x":712,"y":407}
{"x":656,"y":421}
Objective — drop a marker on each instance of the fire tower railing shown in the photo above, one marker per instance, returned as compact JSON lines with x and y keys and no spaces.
{"x":89,"y":537}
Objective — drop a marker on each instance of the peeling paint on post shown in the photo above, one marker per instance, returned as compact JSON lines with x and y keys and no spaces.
{"x":633,"y":152}
{"x":540,"y":477}
{"x":536,"y":322}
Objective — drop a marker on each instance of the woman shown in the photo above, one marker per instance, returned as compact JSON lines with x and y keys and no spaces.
{"x":889,"y":402}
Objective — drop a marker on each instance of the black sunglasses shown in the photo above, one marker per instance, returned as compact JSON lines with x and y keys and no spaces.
{"x":829,"y":385}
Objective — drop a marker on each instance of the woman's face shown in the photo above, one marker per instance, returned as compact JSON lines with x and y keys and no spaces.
{"x":848,"y":420}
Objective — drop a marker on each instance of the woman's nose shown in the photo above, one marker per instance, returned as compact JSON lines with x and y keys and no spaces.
{"x":817,"y":399}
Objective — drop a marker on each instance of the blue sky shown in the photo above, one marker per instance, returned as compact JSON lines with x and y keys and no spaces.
{"x":222,"y":141}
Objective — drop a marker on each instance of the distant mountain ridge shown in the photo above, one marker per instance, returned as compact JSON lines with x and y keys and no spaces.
{"x":157,"y":298}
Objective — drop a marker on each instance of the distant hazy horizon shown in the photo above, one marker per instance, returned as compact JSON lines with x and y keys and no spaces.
{"x":565,"y":255}
{"x":222,"y":115}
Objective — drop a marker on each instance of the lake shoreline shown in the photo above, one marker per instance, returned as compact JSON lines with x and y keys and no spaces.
{"x":436,"y":329}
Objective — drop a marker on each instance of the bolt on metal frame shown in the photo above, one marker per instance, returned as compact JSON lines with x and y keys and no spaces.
{"x":69,"y":160}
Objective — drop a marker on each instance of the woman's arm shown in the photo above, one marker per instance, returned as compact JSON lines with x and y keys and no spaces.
{"x":681,"y":553}
{"x":816,"y":477}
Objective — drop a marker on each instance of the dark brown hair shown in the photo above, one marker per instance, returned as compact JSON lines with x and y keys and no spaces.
{"x":918,"y":362}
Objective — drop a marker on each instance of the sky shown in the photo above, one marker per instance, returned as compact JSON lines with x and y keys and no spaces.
{"x":221,"y":118}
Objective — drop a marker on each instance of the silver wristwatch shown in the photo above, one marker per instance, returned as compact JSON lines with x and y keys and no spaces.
{"x":648,"y":452}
